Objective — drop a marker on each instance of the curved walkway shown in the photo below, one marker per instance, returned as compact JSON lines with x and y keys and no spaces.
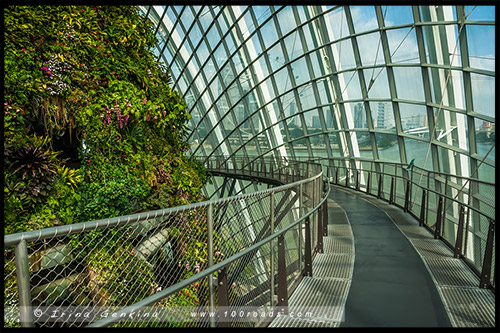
{"x":390,"y":285}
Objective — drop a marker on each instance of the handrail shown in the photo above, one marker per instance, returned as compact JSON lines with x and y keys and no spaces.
{"x":298,"y":178}
{"x":468,"y":230}
{"x":216,"y":268}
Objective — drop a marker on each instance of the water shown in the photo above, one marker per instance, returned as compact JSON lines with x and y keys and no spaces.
{"x":416,"y":150}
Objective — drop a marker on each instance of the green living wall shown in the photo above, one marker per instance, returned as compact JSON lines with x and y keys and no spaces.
{"x":85,"y":79}
{"x":93,"y":130}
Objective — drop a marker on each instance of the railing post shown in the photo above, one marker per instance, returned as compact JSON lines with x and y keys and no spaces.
{"x":223,"y":294}
{"x":391,"y":194}
{"x":325,"y":218}
{"x":379,"y":192}
{"x":210,"y":245}
{"x":307,"y":249}
{"x":346,"y":177}
{"x":422,"y":209}
{"x":460,"y":234}
{"x":337,"y":176}
{"x":272,"y":251}
{"x":282,"y":285}
{"x":300,"y":227}
{"x":357,"y":180}
{"x":443,"y":228}
{"x":488,"y":256}
{"x":320,"y":229}
{"x":407,"y":195}
{"x":368,"y":183}
{"x":23,"y":285}
{"x":437,"y":230}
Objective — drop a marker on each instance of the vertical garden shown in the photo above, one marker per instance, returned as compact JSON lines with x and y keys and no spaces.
{"x":92,"y":128}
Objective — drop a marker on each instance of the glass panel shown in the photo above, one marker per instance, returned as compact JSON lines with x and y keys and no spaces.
{"x":364,"y":18}
{"x":286,"y":20}
{"x":276,"y":57}
{"x":485,"y":138}
{"x":483,"y":94}
{"x":358,"y":114}
{"x":403,"y":45}
{"x":388,"y":148}
{"x":380,"y":84}
{"x":382,"y":115}
{"x":364,"y":144}
{"x":307,"y":99}
{"x":261,"y":13}
{"x":418,"y":150}
{"x":446,"y":127}
{"x":349,"y":83}
{"x":295,"y":127}
{"x":269,"y":34}
{"x":396,"y":15}
{"x":313,"y":122}
{"x":370,"y":49}
{"x":414,"y":119}
{"x":480,"y":13}
{"x":409,"y":83}
{"x":331,"y":122}
{"x":481,"y":45}
{"x":335,"y":144}
{"x":293,"y":46}
{"x":300,"y":71}
{"x":346,"y":55}
{"x":338,"y":23}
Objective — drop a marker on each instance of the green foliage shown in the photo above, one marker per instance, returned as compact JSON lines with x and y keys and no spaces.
{"x":90,"y":72}
{"x":121,"y":194}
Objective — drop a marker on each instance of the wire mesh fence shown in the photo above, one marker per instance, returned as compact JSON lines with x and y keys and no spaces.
{"x":75,"y":275}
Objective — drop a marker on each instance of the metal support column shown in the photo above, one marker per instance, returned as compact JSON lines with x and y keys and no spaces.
{"x":307,"y":249}
{"x":23,"y":285}
{"x":223,"y":294}
{"x":282,"y":284}
{"x":488,"y":256}
{"x":271,"y":244}
{"x":439,"y":217}
{"x":460,"y":233}
{"x":422,"y":208}
{"x":210,"y":245}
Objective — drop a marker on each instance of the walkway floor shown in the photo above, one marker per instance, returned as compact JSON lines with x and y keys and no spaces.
{"x":390,"y":285}
{"x":380,"y":269}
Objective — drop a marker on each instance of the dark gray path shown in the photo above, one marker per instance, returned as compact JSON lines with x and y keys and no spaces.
{"x":390,"y":287}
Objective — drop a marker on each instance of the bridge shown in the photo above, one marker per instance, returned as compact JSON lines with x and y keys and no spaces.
{"x":328,"y":243}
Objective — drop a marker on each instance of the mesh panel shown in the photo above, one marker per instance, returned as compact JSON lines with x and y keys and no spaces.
{"x":107,"y":267}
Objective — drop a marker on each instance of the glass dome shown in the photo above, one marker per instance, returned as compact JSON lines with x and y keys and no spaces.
{"x":382,"y":83}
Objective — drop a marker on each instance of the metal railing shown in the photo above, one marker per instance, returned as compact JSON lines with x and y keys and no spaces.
{"x":170,"y":267}
{"x":460,"y":211}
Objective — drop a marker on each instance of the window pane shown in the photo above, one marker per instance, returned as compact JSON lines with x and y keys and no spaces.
{"x":403,"y":45}
{"x":396,"y":15}
{"x":409,"y":83}
{"x":483,"y":94}
{"x":481,"y":45}
{"x":388,"y":148}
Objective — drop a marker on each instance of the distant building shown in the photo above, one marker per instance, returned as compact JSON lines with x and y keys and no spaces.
{"x":381,"y":115}
{"x":315,"y":122}
{"x":359,"y":116}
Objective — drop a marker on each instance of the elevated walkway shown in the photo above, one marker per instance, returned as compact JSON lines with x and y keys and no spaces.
{"x":366,"y":263}
{"x":381,"y":269}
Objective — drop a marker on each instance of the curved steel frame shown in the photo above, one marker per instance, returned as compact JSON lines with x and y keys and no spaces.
{"x":245,"y":101}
